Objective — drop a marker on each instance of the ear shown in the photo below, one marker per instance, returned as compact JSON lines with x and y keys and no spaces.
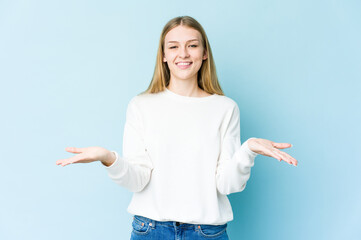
{"x":164,"y":60}
{"x":205,"y":55}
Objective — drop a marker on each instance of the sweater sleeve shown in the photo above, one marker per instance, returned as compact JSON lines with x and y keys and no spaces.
{"x":133,"y":169}
{"x":235,"y":160}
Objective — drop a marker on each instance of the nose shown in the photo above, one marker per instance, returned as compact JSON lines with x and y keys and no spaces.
{"x":183,"y":52}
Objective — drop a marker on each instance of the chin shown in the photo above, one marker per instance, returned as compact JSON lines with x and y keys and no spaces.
{"x":184,"y":77}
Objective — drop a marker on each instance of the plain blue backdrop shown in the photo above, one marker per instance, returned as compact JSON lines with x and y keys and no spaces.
{"x":69,"y":68}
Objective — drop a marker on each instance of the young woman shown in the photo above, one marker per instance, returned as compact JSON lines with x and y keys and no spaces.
{"x":182,"y":153}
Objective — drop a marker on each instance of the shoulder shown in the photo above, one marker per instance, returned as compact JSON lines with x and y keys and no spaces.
{"x":143,"y":100}
{"x":228,"y":103}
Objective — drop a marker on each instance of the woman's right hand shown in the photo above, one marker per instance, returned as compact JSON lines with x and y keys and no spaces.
{"x":87,"y":155}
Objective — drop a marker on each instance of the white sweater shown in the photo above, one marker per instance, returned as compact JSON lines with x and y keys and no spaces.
{"x":182,"y":156}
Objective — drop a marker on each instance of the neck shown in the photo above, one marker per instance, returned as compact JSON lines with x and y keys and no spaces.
{"x":187,"y":88}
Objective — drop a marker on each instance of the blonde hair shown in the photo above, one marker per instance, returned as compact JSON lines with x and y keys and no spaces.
{"x":207,"y":75}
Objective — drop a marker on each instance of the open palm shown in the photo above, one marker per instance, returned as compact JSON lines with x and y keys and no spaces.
{"x":84,"y":155}
{"x":269,"y":148}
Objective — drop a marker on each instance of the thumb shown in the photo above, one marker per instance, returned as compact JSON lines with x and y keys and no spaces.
{"x":282,"y":145}
{"x":73,"y":150}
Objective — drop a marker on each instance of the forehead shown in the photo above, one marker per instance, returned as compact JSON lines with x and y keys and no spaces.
{"x":182,"y":34}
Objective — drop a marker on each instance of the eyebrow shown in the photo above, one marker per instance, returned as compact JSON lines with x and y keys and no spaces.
{"x":187,"y":41}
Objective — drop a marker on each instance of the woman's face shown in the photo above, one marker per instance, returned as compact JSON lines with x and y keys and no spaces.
{"x":183,"y":44}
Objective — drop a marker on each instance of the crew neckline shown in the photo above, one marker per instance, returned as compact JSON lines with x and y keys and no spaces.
{"x":188,"y":98}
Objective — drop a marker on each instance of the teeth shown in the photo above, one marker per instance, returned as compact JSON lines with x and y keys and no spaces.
{"x":184,"y":63}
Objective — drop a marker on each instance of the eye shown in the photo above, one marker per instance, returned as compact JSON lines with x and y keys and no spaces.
{"x":194,"y":45}
{"x":173,"y":47}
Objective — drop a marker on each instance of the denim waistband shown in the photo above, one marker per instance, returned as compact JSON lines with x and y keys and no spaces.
{"x":153,"y":223}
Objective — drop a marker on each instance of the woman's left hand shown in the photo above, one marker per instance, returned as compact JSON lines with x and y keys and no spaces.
{"x":268,"y":148}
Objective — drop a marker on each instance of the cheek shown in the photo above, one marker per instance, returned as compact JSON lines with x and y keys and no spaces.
{"x":169,"y":57}
{"x":198,"y":55}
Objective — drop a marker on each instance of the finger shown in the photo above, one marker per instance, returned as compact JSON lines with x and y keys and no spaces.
{"x":73,"y":150}
{"x":288,"y":158}
{"x":61,"y":161}
{"x":282,"y":145}
{"x":58,"y":162}
{"x":280,"y":156}
{"x":67,"y":162}
{"x":64,"y":162}
{"x":294,"y":161}
{"x":274,"y":154}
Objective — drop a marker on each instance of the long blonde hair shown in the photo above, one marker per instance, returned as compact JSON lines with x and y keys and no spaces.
{"x":207,"y":75}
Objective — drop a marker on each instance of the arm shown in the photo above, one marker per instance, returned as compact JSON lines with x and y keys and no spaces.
{"x":235,"y":160}
{"x":133,"y":169}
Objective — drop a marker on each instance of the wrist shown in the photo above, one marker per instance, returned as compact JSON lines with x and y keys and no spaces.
{"x":250,"y":142}
{"x":110,"y":159}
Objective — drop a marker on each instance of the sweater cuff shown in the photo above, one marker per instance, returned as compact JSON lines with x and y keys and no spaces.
{"x":117,"y":166}
{"x":248,"y":150}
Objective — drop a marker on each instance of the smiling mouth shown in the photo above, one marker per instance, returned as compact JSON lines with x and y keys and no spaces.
{"x":184,"y":65}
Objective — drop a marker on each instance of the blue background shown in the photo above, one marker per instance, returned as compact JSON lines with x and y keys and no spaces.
{"x":69,"y":68}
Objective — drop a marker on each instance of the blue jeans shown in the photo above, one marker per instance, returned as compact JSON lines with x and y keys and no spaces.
{"x":149,"y":229}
